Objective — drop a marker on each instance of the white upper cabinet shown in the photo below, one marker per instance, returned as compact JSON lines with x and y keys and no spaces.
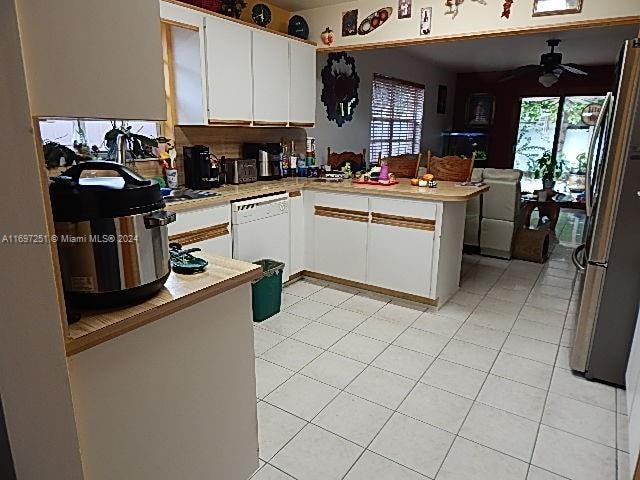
{"x":93,"y":59}
{"x":302,"y":97}
{"x":229,"y":72}
{"x":270,"y":78}
{"x":189,"y":77}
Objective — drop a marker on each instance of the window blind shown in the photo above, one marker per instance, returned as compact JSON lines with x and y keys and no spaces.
{"x":396,"y":117}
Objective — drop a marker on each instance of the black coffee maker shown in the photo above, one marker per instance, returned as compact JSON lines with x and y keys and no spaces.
{"x":199,"y":170}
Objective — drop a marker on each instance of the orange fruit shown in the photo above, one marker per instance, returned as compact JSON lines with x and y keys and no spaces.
{"x":414,"y":182}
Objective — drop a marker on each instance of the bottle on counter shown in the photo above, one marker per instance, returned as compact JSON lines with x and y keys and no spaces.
{"x":284,"y":159}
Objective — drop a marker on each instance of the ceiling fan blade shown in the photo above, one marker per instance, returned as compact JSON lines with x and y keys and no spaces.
{"x":573,"y":69}
{"x":520,"y":71}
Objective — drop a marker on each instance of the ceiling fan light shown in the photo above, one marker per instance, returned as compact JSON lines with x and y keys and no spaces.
{"x":548,"y":80}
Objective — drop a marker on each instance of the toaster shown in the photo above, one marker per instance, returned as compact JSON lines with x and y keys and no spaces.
{"x":239,"y":170}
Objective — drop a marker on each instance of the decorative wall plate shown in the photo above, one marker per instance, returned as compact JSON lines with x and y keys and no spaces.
{"x":340,"y":83}
{"x":375,"y":20}
{"x":298,"y":27}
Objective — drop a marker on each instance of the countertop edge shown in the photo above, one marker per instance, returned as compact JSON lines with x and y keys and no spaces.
{"x":78,"y":345}
{"x":291,"y":185}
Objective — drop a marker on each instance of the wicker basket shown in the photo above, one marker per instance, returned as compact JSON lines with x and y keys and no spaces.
{"x":211,"y":5}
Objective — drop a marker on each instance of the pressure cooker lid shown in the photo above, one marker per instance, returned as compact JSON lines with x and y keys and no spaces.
{"x":76,"y":199}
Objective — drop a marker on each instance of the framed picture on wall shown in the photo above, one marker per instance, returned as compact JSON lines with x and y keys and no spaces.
{"x":556,"y":7}
{"x":480,"y":108}
{"x":425,"y":20}
{"x":350,"y":23}
{"x":441,"y":106}
{"x":404,"y":9}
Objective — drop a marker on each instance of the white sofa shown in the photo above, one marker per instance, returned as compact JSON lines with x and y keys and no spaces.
{"x":491,"y":219}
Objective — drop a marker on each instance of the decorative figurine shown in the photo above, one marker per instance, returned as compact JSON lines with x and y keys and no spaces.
{"x":506,"y":8}
{"x":327,"y":36}
{"x":454,"y":6}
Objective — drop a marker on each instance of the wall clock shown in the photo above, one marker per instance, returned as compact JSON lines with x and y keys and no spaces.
{"x":298,"y":27}
{"x":340,"y":83}
{"x":261,"y":14}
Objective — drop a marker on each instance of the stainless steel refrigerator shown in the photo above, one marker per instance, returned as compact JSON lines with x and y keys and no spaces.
{"x":609,"y":261}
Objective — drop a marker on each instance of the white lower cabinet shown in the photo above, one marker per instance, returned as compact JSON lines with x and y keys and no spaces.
{"x":219,"y":246}
{"x":400,"y":250}
{"x":340,"y":235}
{"x":399,"y":258}
{"x":206,"y":228}
{"x":296,"y":229}
{"x":340,"y":247}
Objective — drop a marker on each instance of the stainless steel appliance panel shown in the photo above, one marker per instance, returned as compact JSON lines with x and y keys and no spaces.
{"x":114,"y":254}
{"x":611,"y":281}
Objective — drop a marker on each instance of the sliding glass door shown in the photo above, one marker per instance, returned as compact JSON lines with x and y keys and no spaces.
{"x":560,"y":127}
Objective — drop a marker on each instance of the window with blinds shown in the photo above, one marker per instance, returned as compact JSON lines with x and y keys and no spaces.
{"x":396,"y":117}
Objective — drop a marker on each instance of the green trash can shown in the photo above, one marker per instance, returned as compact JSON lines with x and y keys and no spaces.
{"x":267,"y":290}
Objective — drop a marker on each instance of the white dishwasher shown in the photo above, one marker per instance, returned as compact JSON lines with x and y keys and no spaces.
{"x":260,"y":229}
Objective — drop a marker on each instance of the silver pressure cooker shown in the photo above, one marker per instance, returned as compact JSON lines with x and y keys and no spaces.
{"x":112,"y":235}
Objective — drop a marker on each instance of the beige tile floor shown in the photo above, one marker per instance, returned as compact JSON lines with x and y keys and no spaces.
{"x":358,"y":386}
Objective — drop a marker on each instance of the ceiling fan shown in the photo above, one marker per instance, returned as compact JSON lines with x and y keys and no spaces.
{"x":550,"y":68}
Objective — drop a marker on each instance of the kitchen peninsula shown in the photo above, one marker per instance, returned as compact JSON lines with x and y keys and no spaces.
{"x":168,"y":386}
{"x":400,"y":239}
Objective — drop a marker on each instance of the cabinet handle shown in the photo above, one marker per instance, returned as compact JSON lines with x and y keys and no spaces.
{"x":302,"y":124}
{"x":403,"y":222}
{"x":229,"y":122}
{"x":200,"y":235}
{"x":342,"y":214}
{"x":259,"y":123}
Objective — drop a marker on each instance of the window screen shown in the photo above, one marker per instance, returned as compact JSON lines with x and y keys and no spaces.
{"x":396,"y":117}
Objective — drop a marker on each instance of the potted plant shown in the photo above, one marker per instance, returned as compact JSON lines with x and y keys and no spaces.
{"x":139,"y":146}
{"x":577,"y":178}
{"x":548,"y":168}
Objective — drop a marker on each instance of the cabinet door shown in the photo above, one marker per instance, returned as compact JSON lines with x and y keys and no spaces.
{"x":218,"y":246}
{"x":302,"y":100}
{"x":228,"y":53}
{"x":93,"y":59}
{"x":270,"y":78}
{"x":296,"y":215}
{"x":189,"y":75}
{"x":341,"y":245}
{"x":400,"y":257}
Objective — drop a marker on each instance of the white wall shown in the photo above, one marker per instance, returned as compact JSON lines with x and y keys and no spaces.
{"x":633,"y":399}
{"x":33,"y":370}
{"x":355,"y":135}
{"x":473,"y":18}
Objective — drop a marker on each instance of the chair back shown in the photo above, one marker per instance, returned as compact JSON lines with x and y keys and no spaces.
{"x":339,"y":160}
{"x":403,"y":166}
{"x":451,"y":168}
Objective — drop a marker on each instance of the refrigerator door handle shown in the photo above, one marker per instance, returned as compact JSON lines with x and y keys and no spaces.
{"x":591,"y":152}
{"x":575,"y":257}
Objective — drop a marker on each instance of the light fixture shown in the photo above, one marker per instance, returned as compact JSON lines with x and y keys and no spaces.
{"x":548,"y":79}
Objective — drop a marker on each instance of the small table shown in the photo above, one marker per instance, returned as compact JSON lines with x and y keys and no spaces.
{"x":549,"y":208}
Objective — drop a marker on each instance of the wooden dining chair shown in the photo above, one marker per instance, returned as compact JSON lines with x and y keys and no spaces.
{"x":451,"y":168}
{"x":339,"y":160}
{"x":403,"y":166}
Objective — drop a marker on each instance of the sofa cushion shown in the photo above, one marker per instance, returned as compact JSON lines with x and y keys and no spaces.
{"x":496,"y":237}
{"x":505,"y":174}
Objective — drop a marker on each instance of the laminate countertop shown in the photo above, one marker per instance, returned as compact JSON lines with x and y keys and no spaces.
{"x":444,"y":192}
{"x":180,"y":291}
